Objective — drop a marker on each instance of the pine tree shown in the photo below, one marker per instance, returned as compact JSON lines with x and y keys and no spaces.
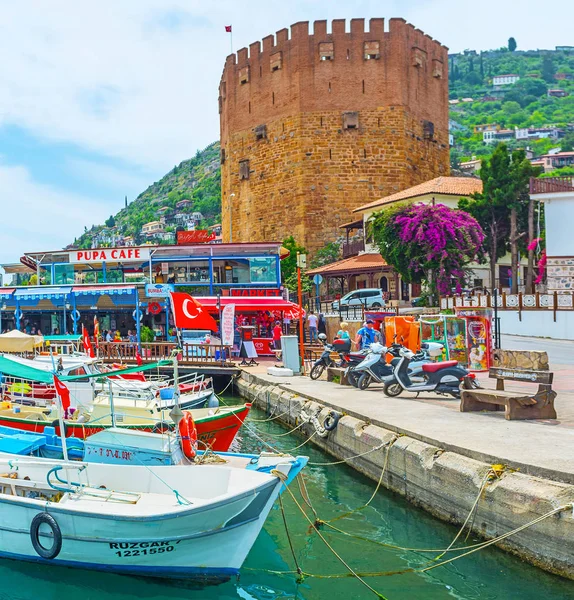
{"x":511,"y":44}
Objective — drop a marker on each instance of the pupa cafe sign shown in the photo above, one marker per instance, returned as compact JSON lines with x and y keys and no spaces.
{"x":135,"y":254}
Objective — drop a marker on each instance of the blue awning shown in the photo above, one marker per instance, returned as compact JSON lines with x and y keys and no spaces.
{"x":43,"y":292}
{"x":104,"y":290}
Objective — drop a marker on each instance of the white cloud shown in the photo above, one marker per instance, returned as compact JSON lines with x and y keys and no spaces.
{"x":41,"y":217}
{"x":137,"y":79}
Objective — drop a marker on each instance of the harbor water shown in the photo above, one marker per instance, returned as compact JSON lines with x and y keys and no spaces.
{"x":333,"y":491}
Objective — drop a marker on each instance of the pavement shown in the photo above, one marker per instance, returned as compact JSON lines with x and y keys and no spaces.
{"x":543,"y":448}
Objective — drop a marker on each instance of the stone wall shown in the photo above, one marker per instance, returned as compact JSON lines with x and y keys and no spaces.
{"x":442,"y":482}
{"x":322,"y":137}
{"x":560,"y":274}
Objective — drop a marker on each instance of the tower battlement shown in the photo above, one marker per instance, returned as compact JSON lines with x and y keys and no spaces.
{"x":344,"y":96}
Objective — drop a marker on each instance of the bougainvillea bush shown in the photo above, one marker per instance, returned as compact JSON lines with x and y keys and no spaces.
{"x":429,"y":243}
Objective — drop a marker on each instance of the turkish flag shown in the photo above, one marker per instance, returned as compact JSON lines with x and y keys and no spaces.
{"x":139,"y":360}
{"x":63,"y":392}
{"x":228,"y":28}
{"x":189,"y":314}
{"x":87,"y":343}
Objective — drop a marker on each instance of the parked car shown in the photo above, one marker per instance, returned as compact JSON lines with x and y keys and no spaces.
{"x":369,"y":298}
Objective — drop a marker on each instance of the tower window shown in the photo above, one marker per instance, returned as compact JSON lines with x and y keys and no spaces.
{"x":244,"y":75}
{"x":372,"y":50}
{"x":350,"y":120}
{"x":276,"y":61}
{"x":244,"y":169}
{"x":260,"y":132}
{"x":222,"y":155}
{"x":326,"y":51}
{"x":428,"y":130}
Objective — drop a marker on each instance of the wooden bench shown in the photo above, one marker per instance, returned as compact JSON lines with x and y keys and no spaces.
{"x":337,"y":373}
{"x":516,"y":404}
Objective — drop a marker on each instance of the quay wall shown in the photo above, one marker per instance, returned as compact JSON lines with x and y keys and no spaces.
{"x":444,"y":483}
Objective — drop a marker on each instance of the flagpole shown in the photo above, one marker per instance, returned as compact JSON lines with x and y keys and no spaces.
{"x":231,"y":40}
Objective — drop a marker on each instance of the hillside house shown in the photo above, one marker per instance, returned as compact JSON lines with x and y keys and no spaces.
{"x":494,"y":137}
{"x":507,"y":79}
{"x":557,"y":93}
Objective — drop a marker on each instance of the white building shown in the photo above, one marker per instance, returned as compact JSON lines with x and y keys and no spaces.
{"x":505,"y":79}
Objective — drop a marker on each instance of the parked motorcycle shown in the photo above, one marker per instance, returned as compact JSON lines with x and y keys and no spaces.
{"x":342,"y":347}
{"x":439,"y":377}
{"x":375,"y":368}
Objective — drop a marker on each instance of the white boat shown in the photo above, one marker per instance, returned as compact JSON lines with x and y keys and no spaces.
{"x":165,"y":521}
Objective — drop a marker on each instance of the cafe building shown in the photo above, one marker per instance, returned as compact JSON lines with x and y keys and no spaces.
{"x":128,"y":287}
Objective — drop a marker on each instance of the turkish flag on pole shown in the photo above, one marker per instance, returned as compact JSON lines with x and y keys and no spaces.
{"x":189,"y":314}
{"x":228,"y":28}
{"x":63,"y":392}
{"x":139,"y":360}
{"x":87,"y":343}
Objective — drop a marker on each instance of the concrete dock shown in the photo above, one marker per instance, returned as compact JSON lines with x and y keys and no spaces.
{"x":439,"y":457}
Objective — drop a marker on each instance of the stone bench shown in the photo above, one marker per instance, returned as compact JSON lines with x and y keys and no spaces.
{"x":337,"y":373}
{"x":516,"y":404}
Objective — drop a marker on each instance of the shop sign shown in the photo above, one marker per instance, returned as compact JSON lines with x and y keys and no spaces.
{"x":228,"y":324}
{"x":159,"y":290}
{"x":134,"y":254}
{"x":256,"y":292}
{"x":195,"y":236}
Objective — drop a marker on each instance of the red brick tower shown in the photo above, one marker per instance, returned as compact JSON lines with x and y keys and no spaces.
{"x":313,"y":126}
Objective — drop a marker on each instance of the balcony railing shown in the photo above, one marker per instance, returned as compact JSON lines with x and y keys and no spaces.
{"x":192,"y":354}
{"x":353,"y":248}
{"x":551,"y":185}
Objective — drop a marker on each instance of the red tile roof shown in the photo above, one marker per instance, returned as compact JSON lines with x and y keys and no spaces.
{"x":361,"y":263}
{"x":446,"y":186}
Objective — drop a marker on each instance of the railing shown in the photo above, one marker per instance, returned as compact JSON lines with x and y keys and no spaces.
{"x":550,"y":185}
{"x":154,"y":351}
{"x":516,"y":302}
{"x":353,"y":248}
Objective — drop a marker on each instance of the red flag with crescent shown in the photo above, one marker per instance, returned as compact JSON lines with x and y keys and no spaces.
{"x":63,"y":392}
{"x":87,"y":343}
{"x":188,"y":313}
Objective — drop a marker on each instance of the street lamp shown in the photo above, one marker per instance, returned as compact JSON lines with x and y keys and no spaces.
{"x":231,"y":196}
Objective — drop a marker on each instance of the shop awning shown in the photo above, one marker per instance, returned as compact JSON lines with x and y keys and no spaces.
{"x":17,"y":341}
{"x":251,"y":304}
{"x":43,"y":292}
{"x":103,"y":290}
{"x":4,"y":291}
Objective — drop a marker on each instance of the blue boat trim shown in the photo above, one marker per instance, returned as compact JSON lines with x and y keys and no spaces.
{"x":150,"y":571}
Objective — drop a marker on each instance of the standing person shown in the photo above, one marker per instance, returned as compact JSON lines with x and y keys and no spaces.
{"x":366,"y":335}
{"x":108,"y":336}
{"x":277,"y":332}
{"x":343,"y":333}
{"x":312,"y":322}
{"x":322,"y":324}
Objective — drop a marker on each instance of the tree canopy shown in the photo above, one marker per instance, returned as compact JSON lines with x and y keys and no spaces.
{"x":426,"y":242}
{"x":511,"y":44}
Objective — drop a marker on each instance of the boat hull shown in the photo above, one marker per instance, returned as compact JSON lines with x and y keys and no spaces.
{"x":216,"y":431}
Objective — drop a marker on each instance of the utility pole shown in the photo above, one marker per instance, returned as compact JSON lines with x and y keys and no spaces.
{"x":301,"y":263}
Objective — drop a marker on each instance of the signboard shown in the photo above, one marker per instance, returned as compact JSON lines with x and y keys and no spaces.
{"x":159,"y":290}
{"x":256,"y":292}
{"x":165,"y":268}
{"x":227,"y":325}
{"x":317,"y":279}
{"x":134,"y":254}
{"x":263,"y":346}
{"x":196,"y":236}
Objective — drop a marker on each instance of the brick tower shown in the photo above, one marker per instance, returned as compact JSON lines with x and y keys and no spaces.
{"x":313,"y":126}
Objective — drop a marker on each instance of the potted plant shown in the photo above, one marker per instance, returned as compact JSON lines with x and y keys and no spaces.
{"x":147,"y":336}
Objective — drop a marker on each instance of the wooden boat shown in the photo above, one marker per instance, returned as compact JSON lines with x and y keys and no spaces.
{"x":216,"y":427}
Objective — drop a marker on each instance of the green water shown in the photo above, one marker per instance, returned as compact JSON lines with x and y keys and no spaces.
{"x":487,"y":575}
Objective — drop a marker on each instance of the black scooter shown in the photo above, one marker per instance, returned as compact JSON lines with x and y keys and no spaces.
{"x":440,"y":377}
{"x":342,"y":347}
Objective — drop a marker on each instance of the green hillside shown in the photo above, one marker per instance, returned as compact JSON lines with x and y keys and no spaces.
{"x":523,"y":104}
{"x":197,"y":179}
{"x":474,"y":101}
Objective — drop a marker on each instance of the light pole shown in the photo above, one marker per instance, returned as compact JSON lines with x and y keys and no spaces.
{"x":231,"y":196}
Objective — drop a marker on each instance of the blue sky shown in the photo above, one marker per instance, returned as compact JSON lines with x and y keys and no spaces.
{"x":100,"y":99}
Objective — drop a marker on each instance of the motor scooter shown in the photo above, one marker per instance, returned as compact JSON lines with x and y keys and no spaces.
{"x":439,"y":377}
{"x":342,"y":347}
{"x":375,"y":368}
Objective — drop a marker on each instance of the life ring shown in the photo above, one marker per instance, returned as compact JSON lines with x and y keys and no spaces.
{"x":46,"y":519}
{"x":331,"y":421}
{"x":154,"y":308}
{"x":188,"y":434}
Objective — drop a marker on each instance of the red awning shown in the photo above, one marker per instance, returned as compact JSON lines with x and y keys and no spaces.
{"x":4,"y":291}
{"x":250,"y":304}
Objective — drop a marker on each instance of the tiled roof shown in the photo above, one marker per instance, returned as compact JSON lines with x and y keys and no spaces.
{"x":449,"y":186}
{"x":362,"y":262}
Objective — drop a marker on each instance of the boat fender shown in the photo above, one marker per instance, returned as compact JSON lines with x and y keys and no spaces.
{"x":331,"y":421}
{"x":188,"y":434}
{"x":46,"y":519}
{"x":161,"y":427}
{"x":56,"y":423}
